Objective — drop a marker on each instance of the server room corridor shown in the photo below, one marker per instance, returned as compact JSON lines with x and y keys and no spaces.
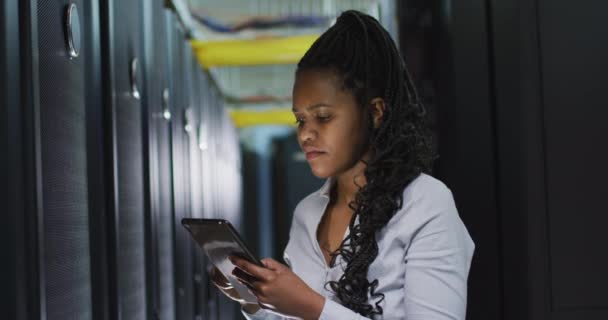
{"x":121,"y":118}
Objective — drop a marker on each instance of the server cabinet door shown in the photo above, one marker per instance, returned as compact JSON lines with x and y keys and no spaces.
{"x":575,"y":156}
{"x":226,"y":196}
{"x":65,"y":248}
{"x":207,"y":184}
{"x":165,"y":235}
{"x":222,"y":306}
{"x":13,"y":277}
{"x":179,"y":155}
{"x":123,"y":54}
{"x":551,"y":132}
{"x":205,"y":291}
{"x":156,"y":103}
{"x":198,"y":261}
{"x":465,"y":126}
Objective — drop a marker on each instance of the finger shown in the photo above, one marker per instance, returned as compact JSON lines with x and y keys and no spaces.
{"x":249,"y":286}
{"x":252,"y":269}
{"x":272,"y":264}
{"x":253,"y":284}
{"x":243,"y":276}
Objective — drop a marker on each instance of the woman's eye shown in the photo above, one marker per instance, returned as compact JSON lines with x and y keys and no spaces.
{"x":323,"y":118}
{"x":319,"y":118}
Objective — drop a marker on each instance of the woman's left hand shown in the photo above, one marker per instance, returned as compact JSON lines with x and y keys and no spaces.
{"x":278,"y":288}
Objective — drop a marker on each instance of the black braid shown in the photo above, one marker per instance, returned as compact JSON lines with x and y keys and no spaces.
{"x":361,"y":52}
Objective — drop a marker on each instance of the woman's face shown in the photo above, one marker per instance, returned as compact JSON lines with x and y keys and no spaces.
{"x":332,"y":129}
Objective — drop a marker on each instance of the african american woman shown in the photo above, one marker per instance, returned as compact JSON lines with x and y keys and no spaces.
{"x":382,"y":239}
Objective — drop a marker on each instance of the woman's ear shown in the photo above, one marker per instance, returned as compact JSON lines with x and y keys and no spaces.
{"x":377,"y":111}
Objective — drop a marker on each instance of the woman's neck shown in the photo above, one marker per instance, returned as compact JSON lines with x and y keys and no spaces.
{"x":348,"y":184}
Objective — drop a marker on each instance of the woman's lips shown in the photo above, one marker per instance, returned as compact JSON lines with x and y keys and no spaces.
{"x":313,"y":154}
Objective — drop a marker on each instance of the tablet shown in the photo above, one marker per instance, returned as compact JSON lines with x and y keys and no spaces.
{"x":219,"y":240}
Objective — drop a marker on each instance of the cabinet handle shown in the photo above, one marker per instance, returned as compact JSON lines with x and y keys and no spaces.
{"x":134,"y":76}
{"x":188,"y":119}
{"x":72,"y":31}
{"x":165,"y":105}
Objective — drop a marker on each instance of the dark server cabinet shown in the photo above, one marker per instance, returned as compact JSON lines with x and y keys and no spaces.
{"x":184,"y":284}
{"x":576,"y":158}
{"x":207,"y":195}
{"x":13,"y":275}
{"x":156,"y":102}
{"x":218,"y":301}
{"x":62,"y":52}
{"x":551,"y":128}
{"x":522,"y":130}
{"x":49,"y":156}
{"x":201,"y":280}
{"x":466,"y":142}
{"x":224,"y":196}
{"x":96,"y":162}
{"x":123,"y":81}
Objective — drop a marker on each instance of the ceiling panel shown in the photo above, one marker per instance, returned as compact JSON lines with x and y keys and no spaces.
{"x":244,"y":85}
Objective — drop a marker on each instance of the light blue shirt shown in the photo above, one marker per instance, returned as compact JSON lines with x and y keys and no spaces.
{"x":424,"y":256}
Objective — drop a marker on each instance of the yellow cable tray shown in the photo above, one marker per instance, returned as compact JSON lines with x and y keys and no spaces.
{"x":277,"y":116}
{"x":286,"y":50}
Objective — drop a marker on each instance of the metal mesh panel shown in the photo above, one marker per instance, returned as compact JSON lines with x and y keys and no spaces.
{"x":183,"y":263}
{"x":64,"y":169}
{"x":131,"y":247}
{"x":166,"y":284}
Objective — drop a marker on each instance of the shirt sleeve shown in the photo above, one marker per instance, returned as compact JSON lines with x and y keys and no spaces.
{"x":437,"y":265}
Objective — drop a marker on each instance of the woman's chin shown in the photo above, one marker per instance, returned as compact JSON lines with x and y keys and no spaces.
{"x":321,"y":173}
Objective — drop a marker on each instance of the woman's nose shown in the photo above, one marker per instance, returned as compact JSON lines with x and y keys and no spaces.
{"x":306,"y":132}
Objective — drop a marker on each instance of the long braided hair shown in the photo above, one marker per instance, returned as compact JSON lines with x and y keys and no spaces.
{"x":363,"y":55}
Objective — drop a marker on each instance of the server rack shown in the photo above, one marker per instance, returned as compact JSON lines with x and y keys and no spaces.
{"x":49,"y":152}
{"x":531,"y":193}
{"x":97,"y":174}
{"x":123,"y":54}
{"x":551,"y":131}
{"x":151,"y":99}
{"x":221,"y":142}
{"x":208,"y":193}
{"x":156,"y":102}
{"x":180,"y":163}
{"x":95,"y":159}
{"x":59,"y":83}
{"x":15,"y":276}
{"x":200,"y":278}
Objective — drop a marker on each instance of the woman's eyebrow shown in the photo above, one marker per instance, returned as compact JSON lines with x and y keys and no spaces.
{"x":314,"y":106}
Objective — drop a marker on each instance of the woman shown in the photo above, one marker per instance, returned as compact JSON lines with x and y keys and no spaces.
{"x":381,"y":239}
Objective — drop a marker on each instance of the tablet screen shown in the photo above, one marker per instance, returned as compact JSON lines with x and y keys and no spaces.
{"x":219,"y":240}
